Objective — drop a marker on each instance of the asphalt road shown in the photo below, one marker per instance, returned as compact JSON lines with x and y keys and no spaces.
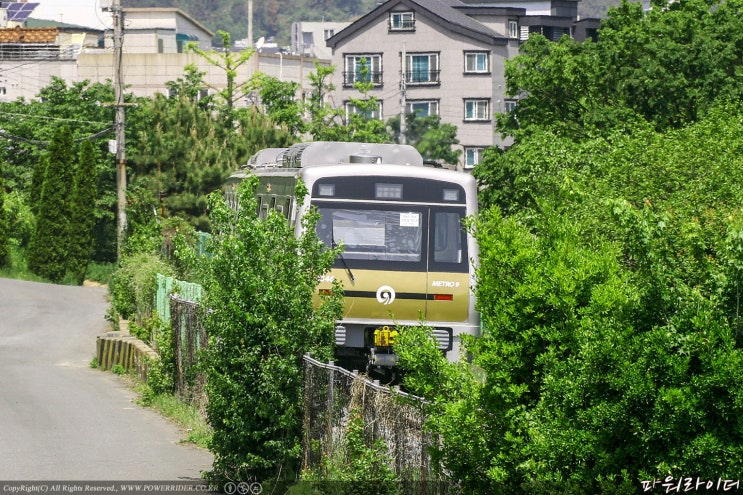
{"x":61,"y":419}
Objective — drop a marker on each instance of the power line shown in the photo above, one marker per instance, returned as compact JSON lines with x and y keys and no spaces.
{"x":13,"y":137}
{"x":51,"y":118}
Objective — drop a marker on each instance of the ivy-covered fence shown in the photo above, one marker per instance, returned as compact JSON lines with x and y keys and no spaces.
{"x":333,"y":396}
{"x":177,"y":302}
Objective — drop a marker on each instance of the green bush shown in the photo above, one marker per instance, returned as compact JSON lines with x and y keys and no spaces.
{"x":261,"y":321}
{"x":134,"y":285}
{"x":21,"y":220}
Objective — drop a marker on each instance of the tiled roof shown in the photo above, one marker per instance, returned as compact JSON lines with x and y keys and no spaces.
{"x":28,"y":35}
{"x":445,"y":12}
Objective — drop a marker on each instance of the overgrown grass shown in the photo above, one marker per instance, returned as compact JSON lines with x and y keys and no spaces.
{"x":188,"y":417}
{"x":18,"y":269}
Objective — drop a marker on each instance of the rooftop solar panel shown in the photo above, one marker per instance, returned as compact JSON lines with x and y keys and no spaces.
{"x":18,"y":11}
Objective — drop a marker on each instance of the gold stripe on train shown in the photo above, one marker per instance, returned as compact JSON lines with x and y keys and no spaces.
{"x":404,"y":295}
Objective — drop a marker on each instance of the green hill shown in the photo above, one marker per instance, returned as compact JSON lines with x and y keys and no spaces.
{"x":273,"y":18}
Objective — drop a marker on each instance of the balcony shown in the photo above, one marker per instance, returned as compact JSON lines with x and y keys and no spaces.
{"x":401,"y":25}
{"x":352,"y":77}
{"x":423,"y":78}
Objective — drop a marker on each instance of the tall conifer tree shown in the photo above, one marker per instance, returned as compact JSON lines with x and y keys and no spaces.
{"x":50,"y":249}
{"x":83,"y":211}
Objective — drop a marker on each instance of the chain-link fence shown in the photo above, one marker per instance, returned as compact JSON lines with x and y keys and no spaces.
{"x":189,"y":337}
{"x":332,"y":394}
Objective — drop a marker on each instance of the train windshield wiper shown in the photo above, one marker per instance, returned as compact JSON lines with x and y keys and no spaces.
{"x":343,"y":260}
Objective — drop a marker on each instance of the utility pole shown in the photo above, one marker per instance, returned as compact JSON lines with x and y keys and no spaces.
{"x":403,"y":103}
{"x":250,"y":23}
{"x":118,"y":21}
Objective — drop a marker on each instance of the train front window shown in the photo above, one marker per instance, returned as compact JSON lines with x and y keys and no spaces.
{"x":374,"y":235}
{"x":447,"y":237}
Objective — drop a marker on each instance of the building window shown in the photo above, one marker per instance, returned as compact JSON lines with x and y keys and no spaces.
{"x":509,"y":105}
{"x":328,"y":33}
{"x":422,"y":68}
{"x":402,"y":21}
{"x":476,"y":62}
{"x":362,"y":68}
{"x":513,"y":29}
{"x":160,"y":45}
{"x":422,"y":108}
{"x":374,"y":113}
{"x":477,"y":110}
{"x":472,"y":156}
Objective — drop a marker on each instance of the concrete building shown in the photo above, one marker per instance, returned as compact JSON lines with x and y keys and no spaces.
{"x":308,"y":38}
{"x":154,"y":53}
{"x":446,"y":58}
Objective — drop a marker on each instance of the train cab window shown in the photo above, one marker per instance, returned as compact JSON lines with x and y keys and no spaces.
{"x":373,"y":234}
{"x":447,"y":238}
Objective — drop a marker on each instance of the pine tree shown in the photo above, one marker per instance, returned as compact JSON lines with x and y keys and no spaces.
{"x":37,"y":182}
{"x":49,"y":253}
{"x":83,"y":212}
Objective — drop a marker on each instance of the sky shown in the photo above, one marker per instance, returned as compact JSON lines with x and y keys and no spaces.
{"x":80,"y":12}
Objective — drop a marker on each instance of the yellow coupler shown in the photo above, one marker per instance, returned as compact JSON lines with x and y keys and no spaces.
{"x":121,"y":348}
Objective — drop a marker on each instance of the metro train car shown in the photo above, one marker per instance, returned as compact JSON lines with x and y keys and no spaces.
{"x":407,"y":258}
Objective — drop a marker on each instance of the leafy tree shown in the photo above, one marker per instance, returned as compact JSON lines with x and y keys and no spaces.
{"x":190,"y":86}
{"x":331,"y":124}
{"x":229,"y":61}
{"x":609,"y":289}
{"x":83,"y":211}
{"x":667,"y":66}
{"x":4,"y":227}
{"x":324,"y":120}
{"x":362,"y":125}
{"x":259,"y":282}
{"x":50,"y":250}
{"x":279,"y":98}
{"x":429,"y":136}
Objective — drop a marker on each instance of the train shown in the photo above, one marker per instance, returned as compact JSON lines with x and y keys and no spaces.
{"x":407,"y":257}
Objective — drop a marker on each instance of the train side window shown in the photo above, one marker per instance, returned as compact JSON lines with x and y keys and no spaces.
{"x":262,"y":208}
{"x":279,"y":207}
{"x":447,"y":238}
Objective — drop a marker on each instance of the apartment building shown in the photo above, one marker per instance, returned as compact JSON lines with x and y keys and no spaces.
{"x":446,"y":58}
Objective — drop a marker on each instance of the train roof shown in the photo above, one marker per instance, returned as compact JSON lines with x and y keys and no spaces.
{"x":318,"y":153}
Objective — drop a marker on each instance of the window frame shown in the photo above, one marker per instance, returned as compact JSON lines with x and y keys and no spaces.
{"x":509,"y":105}
{"x":476,"y":153}
{"x":405,"y":21}
{"x":350,"y":108}
{"x":478,"y":115}
{"x":514,"y":32}
{"x":433,"y":72}
{"x":352,"y":67}
{"x":472,"y":53}
{"x":432,"y":104}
